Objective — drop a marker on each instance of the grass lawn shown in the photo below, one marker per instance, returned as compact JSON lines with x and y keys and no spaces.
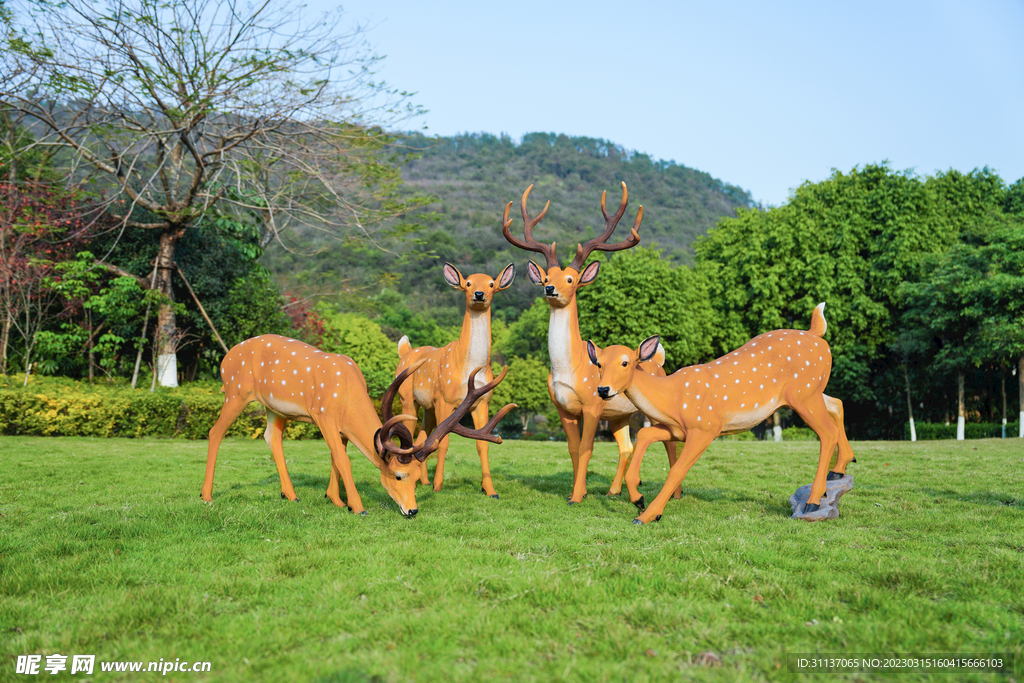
{"x":106,"y":549}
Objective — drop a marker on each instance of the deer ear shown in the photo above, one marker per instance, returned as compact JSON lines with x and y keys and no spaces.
{"x":507,"y":277}
{"x":648,"y":347}
{"x":452,"y":275}
{"x":535,"y":273}
{"x":590,"y":273}
{"x":592,"y":352}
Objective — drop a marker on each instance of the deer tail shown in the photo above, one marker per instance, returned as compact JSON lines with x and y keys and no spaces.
{"x":404,"y":346}
{"x":818,"y":324}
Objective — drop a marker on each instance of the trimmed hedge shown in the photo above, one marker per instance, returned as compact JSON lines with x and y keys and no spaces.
{"x":63,"y":407}
{"x":927,"y":431}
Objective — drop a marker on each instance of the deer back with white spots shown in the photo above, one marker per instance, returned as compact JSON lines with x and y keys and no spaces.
{"x":296,"y":381}
{"x":442,"y":380}
{"x":728,"y":395}
{"x":572,"y":383}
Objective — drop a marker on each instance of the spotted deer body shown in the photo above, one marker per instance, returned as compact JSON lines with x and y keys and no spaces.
{"x":726,"y":396}
{"x":296,"y":381}
{"x":442,"y":379}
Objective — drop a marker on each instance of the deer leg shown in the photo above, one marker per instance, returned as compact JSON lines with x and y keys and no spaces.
{"x":696,"y":444}
{"x":480,"y":413}
{"x":813,"y":411}
{"x":572,"y":436}
{"x":670,"y":450}
{"x":228,"y":414}
{"x":441,"y":412}
{"x":333,"y":487}
{"x":835,"y":411}
{"x":274,"y":437}
{"x":644,"y":438}
{"x":340,"y":461}
{"x":429,"y":423}
{"x":620,"y":428}
{"x":590,"y":418}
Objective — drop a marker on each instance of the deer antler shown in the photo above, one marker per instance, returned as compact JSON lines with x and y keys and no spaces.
{"x":529,"y":244}
{"x":451,"y":423}
{"x":393,"y":424}
{"x":598,"y":243}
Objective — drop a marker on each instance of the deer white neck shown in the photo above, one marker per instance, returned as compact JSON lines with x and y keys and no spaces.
{"x":563,"y":330}
{"x":476,"y":340}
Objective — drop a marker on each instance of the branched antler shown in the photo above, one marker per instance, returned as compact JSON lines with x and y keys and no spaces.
{"x":583,"y":251}
{"x":451,"y":423}
{"x":529,"y":244}
{"x":393,"y":424}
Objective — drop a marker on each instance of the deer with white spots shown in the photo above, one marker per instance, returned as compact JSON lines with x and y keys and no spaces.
{"x":441,"y":381}
{"x":726,"y":396}
{"x":572,"y":383}
{"x":296,"y":381}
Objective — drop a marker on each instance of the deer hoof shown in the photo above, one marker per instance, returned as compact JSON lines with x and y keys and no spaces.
{"x":572,"y":502}
{"x":639,"y":483}
{"x":640,"y":504}
{"x":811,"y":507}
{"x":496,"y":496}
{"x":658,"y":518}
{"x":832,"y":476}
{"x":637,"y":521}
{"x":283,"y":496}
{"x":364,"y":513}
{"x":854,"y":460}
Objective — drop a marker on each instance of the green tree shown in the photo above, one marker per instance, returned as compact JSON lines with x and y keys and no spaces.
{"x":638,"y":294}
{"x":169,"y":104}
{"x":526,"y":385}
{"x":362,"y":340}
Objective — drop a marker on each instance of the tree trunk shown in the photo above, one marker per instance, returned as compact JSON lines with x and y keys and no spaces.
{"x":960,"y":414}
{"x":1002,"y":386}
{"x":910,"y":405}
{"x":88,"y":318}
{"x":167,"y":336}
{"x":5,"y":335}
{"x":1020,"y":394}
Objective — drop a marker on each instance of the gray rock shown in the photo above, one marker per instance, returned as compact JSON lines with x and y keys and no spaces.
{"x":829,"y":502}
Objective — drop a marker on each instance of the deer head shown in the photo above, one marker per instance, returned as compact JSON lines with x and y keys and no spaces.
{"x":618,"y":363}
{"x":479,"y":287}
{"x":560,"y":284}
{"x":404,"y":460}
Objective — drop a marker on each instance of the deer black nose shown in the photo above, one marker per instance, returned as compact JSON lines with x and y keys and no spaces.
{"x":479,"y":296}
{"x":550,"y":289}
{"x":411,"y":513}
{"x":603,"y":391}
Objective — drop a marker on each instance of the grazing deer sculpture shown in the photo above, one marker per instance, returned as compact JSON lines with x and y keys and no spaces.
{"x":440,"y":383}
{"x":726,"y":396}
{"x":296,"y":381}
{"x":572,"y":383}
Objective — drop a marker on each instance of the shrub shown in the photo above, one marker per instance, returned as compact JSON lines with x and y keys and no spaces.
{"x":927,"y":431}
{"x":63,"y":407}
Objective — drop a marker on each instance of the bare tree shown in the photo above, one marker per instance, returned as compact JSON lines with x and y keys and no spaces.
{"x":174,"y":108}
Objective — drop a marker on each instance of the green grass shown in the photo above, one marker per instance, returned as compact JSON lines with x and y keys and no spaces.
{"x":106,"y":549}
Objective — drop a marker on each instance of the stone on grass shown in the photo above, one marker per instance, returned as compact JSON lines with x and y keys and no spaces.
{"x":829,"y":505}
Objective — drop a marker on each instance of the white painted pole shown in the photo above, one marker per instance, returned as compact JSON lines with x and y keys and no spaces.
{"x":913,"y":432}
{"x":960,"y":428}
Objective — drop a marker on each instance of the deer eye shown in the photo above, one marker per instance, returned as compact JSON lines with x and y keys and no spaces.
{"x":491,"y":285}
{"x":569,"y":280}
{"x":400,"y":476}
{"x":625,"y":363}
{"x":468,"y":283}
{"x":598,"y":365}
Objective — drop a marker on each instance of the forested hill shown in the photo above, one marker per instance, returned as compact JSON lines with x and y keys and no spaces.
{"x":472,"y":176}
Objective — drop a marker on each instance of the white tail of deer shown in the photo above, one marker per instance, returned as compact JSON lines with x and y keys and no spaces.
{"x":440,"y":383}
{"x":572,"y":383}
{"x":726,"y":396}
{"x":296,"y":381}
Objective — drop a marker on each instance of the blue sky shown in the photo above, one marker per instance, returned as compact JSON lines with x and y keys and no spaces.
{"x":762,"y":95}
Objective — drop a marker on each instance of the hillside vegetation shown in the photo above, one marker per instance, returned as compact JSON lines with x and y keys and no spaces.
{"x":472,"y":176}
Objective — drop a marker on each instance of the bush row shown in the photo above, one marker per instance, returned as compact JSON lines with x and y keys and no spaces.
{"x":927,"y":431}
{"x":62,"y":407}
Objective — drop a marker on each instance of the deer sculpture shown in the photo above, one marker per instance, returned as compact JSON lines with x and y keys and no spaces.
{"x":572,"y":383}
{"x":296,"y":381}
{"x":440,"y":383}
{"x":726,"y":396}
